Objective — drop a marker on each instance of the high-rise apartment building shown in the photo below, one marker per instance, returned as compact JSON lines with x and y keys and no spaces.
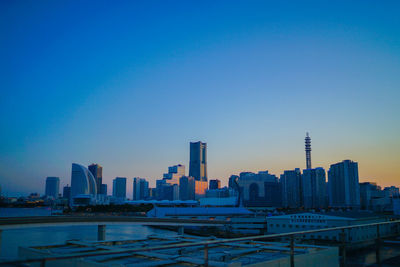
{"x":140,"y":189}
{"x":198,"y":161}
{"x":215,"y":184}
{"x":119,"y":187}
{"x":291,"y":188}
{"x":97,"y":172}
{"x":186,"y":188}
{"x":344,"y":189}
{"x":52,"y":187}
{"x":313,"y":183}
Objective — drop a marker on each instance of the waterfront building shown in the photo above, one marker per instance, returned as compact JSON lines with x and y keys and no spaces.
{"x":82,"y":181}
{"x":215,"y":184}
{"x":103,"y":190}
{"x":174,"y":174}
{"x":291,"y":188}
{"x":97,"y":172}
{"x":313,"y":183}
{"x":344,"y":189}
{"x":198,"y":161}
{"x":259,"y":190}
{"x":313,"y":221}
{"x":119,"y":187}
{"x":52,"y":187}
{"x":392,"y":191}
{"x":186,"y":188}
{"x":67,"y":192}
{"x":140,"y":189}
{"x":373,"y":198}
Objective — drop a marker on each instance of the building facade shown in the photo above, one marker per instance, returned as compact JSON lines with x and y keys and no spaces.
{"x":119,"y":187}
{"x":291,"y":188}
{"x":52,"y":187}
{"x":343,"y":185}
{"x":97,"y":172}
{"x":215,"y":184}
{"x":198,"y":161}
{"x":82,"y":181}
{"x":140,"y":189}
{"x":313,"y":183}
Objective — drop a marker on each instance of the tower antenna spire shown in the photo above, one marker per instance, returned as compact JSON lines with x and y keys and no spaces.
{"x":308,"y":150}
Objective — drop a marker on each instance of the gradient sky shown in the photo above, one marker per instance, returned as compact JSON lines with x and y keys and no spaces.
{"x":129,"y":84}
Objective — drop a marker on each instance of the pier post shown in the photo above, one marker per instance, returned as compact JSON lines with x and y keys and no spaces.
{"x":181,"y":230}
{"x":292,"y":251}
{"x":343,"y":247}
{"x":378,"y":246}
{"x":205,"y":255}
{"x":101,"y":232}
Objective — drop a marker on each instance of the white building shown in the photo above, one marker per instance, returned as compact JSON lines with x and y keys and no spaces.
{"x":313,"y":221}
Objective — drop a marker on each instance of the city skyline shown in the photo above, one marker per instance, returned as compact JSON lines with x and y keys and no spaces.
{"x":129,"y":85}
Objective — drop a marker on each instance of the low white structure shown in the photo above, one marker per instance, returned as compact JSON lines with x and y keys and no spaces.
{"x":313,"y":221}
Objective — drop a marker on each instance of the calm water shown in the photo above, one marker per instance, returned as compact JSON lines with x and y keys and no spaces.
{"x":12,"y":239}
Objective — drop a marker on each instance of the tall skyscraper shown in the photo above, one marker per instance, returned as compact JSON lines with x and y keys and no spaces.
{"x":313,"y":182}
{"x":52,"y":187}
{"x":344,"y":188}
{"x":82,"y":181}
{"x":308,"y":151}
{"x":119,"y":187}
{"x":215,"y":184}
{"x":97,"y":172}
{"x":198,"y":161}
{"x":291,"y":188}
{"x":140,"y":189}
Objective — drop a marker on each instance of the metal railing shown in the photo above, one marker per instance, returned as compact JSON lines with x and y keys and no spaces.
{"x":207,"y":244}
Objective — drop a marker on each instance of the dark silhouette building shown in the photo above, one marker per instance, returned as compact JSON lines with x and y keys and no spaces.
{"x":198,"y":161}
{"x":215,"y":184}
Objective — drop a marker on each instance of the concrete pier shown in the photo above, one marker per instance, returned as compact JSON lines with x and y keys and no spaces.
{"x":101,"y":232}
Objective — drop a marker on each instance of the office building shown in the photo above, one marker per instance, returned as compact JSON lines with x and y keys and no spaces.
{"x":67,"y":192}
{"x":82,"y":181}
{"x":97,"y":172}
{"x":103,"y":189}
{"x":344,"y":189}
{"x":259,"y":190}
{"x":313,"y":183}
{"x":119,"y":187}
{"x":215,"y":184}
{"x":140,"y":189}
{"x":198,"y":161}
{"x":174,"y":174}
{"x":291,"y":188}
{"x":52,"y":187}
{"x":187,"y":188}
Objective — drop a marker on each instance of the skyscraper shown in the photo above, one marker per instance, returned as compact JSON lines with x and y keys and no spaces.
{"x":67,"y":192}
{"x":344,"y":189}
{"x":186,"y":188}
{"x":97,"y":172}
{"x":140,"y":189}
{"x":291,"y":188}
{"x":313,"y":182}
{"x":52,"y":187}
{"x":119,"y":187}
{"x":198,"y":161}
{"x":308,"y":151}
{"x":82,"y":181}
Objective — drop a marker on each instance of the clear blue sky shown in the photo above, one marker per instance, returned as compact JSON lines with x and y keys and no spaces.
{"x":129,"y":84}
